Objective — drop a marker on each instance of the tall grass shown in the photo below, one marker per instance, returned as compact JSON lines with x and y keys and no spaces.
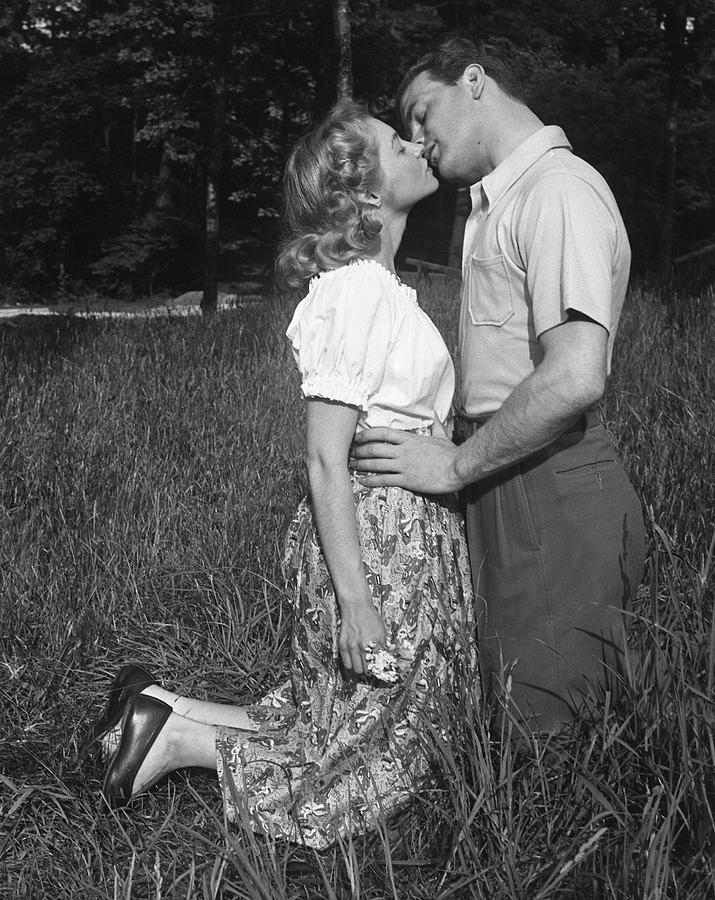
{"x":148,"y":473}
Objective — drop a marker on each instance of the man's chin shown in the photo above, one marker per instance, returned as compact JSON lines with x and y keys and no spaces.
{"x":453,"y":174}
{"x":443,"y":173}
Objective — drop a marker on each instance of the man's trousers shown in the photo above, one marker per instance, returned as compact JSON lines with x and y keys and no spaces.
{"x":556,"y":546}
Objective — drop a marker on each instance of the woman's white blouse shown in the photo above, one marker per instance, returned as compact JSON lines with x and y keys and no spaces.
{"x":360,"y":337}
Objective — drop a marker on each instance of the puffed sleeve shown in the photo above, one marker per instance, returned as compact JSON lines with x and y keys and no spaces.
{"x":567,"y":237}
{"x":341,"y":335}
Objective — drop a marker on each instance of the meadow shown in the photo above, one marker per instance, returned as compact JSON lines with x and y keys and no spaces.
{"x":148,"y":473}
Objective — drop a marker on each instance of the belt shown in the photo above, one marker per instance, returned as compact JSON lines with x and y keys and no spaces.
{"x":465,"y":428}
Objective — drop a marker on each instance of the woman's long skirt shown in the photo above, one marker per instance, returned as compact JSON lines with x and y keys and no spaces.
{"x":334,"y":753}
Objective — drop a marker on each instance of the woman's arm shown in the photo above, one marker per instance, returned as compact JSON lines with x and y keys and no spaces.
{"x":331,"y":427}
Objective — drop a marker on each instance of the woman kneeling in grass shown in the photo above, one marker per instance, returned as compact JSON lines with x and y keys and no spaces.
{"x":383,"y":606}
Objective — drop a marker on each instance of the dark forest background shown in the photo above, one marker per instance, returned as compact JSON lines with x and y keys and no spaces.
{"x":127,"y":127}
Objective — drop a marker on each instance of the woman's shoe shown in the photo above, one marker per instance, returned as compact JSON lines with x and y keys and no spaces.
{"x":129,"y":681}
{"x":147,"y":716}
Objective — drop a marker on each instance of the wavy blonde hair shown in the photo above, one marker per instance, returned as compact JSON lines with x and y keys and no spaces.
{"x":327,"y":218}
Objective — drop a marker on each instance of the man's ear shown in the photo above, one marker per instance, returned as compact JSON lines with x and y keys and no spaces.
{"x":476,"y":78}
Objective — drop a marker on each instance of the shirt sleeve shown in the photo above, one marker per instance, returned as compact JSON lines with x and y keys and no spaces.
{"x":341,"y":340}
{"x":567,"y":237}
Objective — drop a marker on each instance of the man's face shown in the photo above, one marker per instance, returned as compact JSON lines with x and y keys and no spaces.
{"x":444,"y":117}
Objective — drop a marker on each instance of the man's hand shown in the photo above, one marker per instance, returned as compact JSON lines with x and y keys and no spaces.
{"x":400,"y":458}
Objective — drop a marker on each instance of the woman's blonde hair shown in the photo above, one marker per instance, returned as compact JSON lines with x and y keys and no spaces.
{"x":327,"y":217}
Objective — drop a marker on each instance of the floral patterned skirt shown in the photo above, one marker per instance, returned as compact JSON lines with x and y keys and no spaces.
{"x":335,"y":754}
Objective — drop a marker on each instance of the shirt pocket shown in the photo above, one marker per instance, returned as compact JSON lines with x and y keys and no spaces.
{"x":489,"y":291}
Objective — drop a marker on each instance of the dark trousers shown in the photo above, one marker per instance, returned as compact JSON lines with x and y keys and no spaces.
{"x":557,"y":549}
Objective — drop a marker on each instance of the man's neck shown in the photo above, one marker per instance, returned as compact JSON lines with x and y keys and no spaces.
{"x":513,"y":124}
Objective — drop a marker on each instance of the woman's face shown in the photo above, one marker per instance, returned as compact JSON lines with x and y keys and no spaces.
{"x":406,"y":176}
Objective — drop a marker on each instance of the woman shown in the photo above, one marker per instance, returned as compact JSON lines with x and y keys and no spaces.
{"x":382,"y":596}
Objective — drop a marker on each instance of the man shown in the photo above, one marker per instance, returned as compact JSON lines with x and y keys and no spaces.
{"x":555,"y":529}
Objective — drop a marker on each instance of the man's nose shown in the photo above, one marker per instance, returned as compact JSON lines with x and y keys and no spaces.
{"x":416,"y":134}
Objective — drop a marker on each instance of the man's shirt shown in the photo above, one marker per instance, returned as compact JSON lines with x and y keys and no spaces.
{"x":544,"y":237}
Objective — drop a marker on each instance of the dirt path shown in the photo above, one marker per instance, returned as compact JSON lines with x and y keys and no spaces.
{"x":188,"y":304}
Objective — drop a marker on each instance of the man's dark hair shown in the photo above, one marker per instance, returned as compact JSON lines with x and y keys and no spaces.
{"x":448,"y":62}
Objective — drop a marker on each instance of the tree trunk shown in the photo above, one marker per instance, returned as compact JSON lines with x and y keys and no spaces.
{"x":323,"y":66}
{"x":341,"y":16}
{"x":135,"y":129}
{"x":163,"y":197}
{"x":209,"y":300}
{"x":675,"y":19}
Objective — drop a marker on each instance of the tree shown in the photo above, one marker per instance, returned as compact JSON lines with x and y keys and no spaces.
{"x":674,"y":23}
{"x":51,"y":185}
{"x":142,"y":145}
{"x":341,"y":14}
{"x":223,"y":32}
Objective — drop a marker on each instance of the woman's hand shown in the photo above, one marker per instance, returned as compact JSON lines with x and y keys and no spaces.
{"x":331,"y":427}
{"x":361,"y":626}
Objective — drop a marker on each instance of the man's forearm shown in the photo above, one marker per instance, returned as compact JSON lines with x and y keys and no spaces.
{"x":569,"y":380}
{"x":533,"y":415}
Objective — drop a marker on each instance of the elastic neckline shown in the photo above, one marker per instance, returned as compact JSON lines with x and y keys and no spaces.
{"x":369,"y":261}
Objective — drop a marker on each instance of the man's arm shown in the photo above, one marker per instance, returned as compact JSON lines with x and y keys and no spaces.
{"x":569,"y":380}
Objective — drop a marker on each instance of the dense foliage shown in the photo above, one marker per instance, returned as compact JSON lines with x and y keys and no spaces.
{"x":107,"y":120}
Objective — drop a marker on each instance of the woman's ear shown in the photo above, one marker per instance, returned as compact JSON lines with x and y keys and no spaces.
{"x":372,"y":199}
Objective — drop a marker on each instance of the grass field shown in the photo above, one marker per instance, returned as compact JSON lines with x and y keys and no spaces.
{"x":148,"y":471}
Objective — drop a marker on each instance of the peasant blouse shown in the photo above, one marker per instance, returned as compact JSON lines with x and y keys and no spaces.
{"x":359,"y":337}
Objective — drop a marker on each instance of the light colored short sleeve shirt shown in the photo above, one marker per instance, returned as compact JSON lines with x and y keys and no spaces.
{"x":544,"y":237}
{"x":360,"y":338}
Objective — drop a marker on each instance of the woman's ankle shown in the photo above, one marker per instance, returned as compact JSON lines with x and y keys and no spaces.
{"x":160,"y":693}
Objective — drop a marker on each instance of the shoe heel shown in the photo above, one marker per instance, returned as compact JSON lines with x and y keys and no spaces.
{"x":146,"y":718}
{"x":130,"y":681}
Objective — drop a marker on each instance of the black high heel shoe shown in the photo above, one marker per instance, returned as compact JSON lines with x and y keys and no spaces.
{"x":128,"y":683}
{"x":147,"y":716}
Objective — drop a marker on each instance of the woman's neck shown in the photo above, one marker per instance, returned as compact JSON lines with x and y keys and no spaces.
{"x":393,"y":227}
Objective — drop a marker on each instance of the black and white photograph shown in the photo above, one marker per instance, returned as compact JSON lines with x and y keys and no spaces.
{"x":357,"y":450}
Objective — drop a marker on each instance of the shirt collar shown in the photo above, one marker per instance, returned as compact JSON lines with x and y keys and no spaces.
{"x":509,"y":170}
